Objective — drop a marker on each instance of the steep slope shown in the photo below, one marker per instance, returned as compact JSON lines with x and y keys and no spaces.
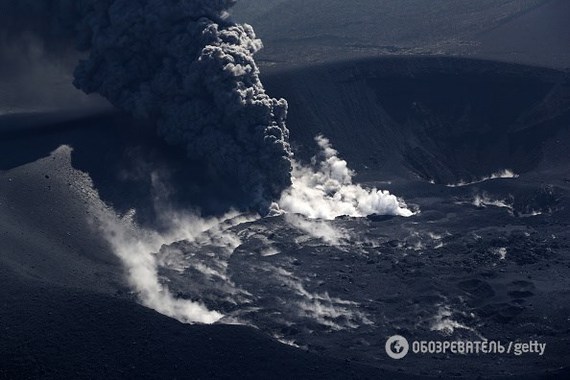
{"x":444,"y":119}
{"x":50,"y":332}
{"x":67,"y":311}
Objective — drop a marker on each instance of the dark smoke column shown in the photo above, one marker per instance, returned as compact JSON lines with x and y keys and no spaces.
{"x":181,"y":63}
{"x":185,"y":65}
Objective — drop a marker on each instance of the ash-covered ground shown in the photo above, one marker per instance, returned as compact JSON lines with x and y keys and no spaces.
{"x":461,"y":269}
{"x":477,"y":150}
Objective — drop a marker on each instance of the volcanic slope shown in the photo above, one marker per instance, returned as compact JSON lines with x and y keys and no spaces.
{"x":484,"y":257}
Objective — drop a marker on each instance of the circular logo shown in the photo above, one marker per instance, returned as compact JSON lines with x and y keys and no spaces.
{"x":397,"y":347}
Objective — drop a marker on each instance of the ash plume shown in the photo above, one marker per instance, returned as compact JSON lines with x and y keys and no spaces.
{"x":183,"y":64}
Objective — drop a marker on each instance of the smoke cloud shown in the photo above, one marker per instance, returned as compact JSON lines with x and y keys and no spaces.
{"x":319,"y":229}
{"x":140,"y":251}
{"x":181,"y":63}
{"x":188,"y":67}
{"x":135,"y":248}
{"x":325,"y":190}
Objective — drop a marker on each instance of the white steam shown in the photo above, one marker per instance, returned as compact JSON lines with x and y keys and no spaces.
{"x":138,"y":247}
{"x":318,"y":195}
{"x":444,"y":323}
{"x":336,"y":313}
{"x":319,"y":229}
{"x":326,"y":191}
{"x":502,"y":174}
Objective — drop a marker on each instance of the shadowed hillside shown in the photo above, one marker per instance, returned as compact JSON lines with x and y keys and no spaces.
{"x":443,"y":119}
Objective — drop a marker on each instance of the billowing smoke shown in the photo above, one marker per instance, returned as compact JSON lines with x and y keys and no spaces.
{"x":138,"y":248}
{"x":326,"y":191}
{"x":186,"y":66}
{"x":183,"y":64}
{"x":135,"y":247}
